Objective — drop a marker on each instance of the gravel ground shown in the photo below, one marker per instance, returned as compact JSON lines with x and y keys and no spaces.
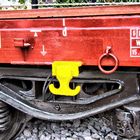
{"x":91,"y":128}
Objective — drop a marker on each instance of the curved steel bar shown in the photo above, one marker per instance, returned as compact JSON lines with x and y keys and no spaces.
{"x":10,"y":97}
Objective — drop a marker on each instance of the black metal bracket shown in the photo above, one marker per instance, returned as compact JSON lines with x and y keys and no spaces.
{"x":48,"y":110}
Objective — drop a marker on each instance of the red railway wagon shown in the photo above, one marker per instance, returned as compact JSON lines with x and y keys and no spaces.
{"x":69,"y":63}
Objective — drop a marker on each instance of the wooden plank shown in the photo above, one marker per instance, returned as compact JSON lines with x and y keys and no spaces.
{"x":72,"y":12}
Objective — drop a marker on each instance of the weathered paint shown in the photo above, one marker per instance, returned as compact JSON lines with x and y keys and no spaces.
{"x":71,"y":39}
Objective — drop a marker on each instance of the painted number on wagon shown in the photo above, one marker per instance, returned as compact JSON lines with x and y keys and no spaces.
{"x":135,"y":42}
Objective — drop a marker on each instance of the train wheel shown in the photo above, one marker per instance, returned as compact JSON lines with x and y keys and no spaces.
{"x":12,"y":122}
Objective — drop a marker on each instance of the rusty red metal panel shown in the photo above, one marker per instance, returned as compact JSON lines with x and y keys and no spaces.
{"x":72,"y":39}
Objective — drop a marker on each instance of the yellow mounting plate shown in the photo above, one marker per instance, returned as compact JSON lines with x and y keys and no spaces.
{"x":64,"y":72}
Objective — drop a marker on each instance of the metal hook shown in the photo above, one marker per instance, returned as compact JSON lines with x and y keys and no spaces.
{"x":108,"y":50}
{"x":108,"y":53}
{"x":64,"y":72}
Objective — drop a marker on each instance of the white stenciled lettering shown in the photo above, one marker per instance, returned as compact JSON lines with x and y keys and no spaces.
{"x":138,"y":42}
{"x":134,"y":52}
{"x":134,"y":33}
{"x":135,"y":42}
{"x":139,"y":33}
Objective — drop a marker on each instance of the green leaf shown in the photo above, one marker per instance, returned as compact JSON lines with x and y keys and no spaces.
{"x":21,"y":1}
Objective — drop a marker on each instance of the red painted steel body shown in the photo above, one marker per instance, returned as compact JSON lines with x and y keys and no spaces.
{"x":28,"y":39}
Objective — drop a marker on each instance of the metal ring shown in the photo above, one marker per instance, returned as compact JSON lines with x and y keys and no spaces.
{"x":108,"y":71}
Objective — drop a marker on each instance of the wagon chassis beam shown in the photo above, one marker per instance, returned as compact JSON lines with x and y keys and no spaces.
{"x":69,"y":109}
{"x":8,"y":96}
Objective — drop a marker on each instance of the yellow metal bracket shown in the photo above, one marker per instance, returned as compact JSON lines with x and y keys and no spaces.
{"x":64,"y":72}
